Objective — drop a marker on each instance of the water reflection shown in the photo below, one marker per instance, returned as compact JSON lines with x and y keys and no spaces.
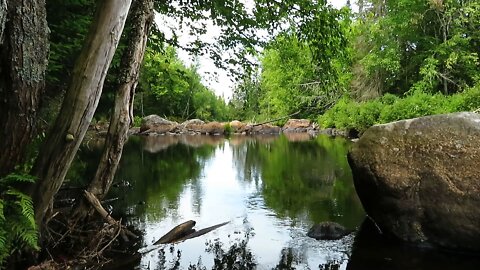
{"x":270,"y":188}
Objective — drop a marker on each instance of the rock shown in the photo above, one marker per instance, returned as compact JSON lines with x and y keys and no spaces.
{"x":328,"y":231}
{"x":237,"y":126}
{"x":156,"y":124}
{"x":263,"y":129}
{"x":418,"y":179}
{"x":192,"y":126}
{"x":296,"y":125}
{"x":213,"y":128}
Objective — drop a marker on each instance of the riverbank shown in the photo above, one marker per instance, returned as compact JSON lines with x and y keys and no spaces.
{"x":155,"y":125}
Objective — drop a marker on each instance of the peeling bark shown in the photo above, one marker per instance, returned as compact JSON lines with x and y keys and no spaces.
{"x":80,"y":103}
{"x":140,"y":18}
{"x":23,"y":61}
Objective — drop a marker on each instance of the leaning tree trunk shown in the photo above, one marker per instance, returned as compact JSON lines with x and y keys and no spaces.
{"x":23,"y":60}
{"x":79,"y":104}
{"x":140,"y":19}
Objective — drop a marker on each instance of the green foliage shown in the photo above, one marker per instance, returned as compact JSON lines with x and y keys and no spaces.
{"x":411,"y":45}
{"x":349,"y":114}
{"x":239,"y":26}
{"x":17,"y":221}
{"x":292,"y":80}
{"x":245,"y":102}
{"x":285,"y":66}
{"x":227,"y":129}
{"x":137,"y":121}
{"x":173,"y":90}
{"x":69,"y":22}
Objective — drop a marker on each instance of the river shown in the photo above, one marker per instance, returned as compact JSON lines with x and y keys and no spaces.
{"x":271,"y":190}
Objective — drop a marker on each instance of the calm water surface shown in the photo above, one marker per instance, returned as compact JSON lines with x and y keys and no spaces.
{"x":270,"y":189}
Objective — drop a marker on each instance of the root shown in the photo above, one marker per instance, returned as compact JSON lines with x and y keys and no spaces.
{"x":90,"y":244}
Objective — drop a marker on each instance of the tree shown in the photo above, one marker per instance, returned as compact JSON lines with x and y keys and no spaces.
{"x":416,"y":45}
{"x":80,"y":103}
{"x":286,"y":66}
{"x":246,"y":97}
{"x":141,"y":18}
{"x":24,"y":50}
{"x":171,"y":89}
{"x":23,"y":59}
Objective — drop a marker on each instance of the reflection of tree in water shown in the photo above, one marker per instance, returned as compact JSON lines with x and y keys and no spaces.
{"x":291,"y":259}
{"x":156,"y":178}
{"x":247,"y":160}
{"x":309,"y":178}
{"x":237,"y":256}
{"x":288,"y":259}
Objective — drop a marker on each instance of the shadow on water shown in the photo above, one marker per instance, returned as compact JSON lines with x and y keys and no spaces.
{"x":371,"y":250}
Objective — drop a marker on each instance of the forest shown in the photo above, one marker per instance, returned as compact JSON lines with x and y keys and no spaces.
{"x":65,"y":65}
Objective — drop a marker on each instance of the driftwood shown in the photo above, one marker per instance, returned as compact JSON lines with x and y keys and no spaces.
{"x":202,"y":231}
{"x":104,"y":214}
{"x":177,"y":232}
{"x":185,"y":231}
{"x":276,"y":119}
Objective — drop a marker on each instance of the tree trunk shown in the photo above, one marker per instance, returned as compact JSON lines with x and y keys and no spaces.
{"x":23,"y":61}
{"x":140,"y":19}
{"x":3,"y":18}
{"x":79,"y":104}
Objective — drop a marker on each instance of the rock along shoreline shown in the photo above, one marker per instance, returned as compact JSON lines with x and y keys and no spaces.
{"x":155,"y":125}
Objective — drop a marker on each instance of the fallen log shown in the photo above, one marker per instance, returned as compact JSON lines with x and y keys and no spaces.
{"x":185,"y":231}
{"x":177,"y":232}
{"x":202,"y":231}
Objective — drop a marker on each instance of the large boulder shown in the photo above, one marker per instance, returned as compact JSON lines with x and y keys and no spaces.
{"x":156,"y":124}
{"x":419,"y":179}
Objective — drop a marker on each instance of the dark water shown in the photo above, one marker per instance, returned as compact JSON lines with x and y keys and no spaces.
{"x":270,"y":189}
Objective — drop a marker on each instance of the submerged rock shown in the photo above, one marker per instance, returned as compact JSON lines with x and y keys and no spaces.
{"x":328,"y":231}
{"x":419,"y":179}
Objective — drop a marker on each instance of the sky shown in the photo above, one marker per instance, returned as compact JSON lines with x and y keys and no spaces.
{"x":219,"y":80}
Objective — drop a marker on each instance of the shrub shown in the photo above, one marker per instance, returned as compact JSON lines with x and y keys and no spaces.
{"x":348,"y":114}
{"x":469,"y":100}
{"x":415,"y":105}
{"x":137,"y":121}
{"x":369,"y":114}
{"x":227,"y":129}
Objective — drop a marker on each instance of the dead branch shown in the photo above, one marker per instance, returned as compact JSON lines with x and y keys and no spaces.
{"x":104,"y":214}
{"x":276,"y":119}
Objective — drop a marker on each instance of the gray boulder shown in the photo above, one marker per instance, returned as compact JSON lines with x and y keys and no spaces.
{"x":156,"y":124}
{"x":418,"y":179}
{"x":296,"y":125}
{"x":192,"y":126}
{"x":328,"y":231}
{"x":263,"y":129}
